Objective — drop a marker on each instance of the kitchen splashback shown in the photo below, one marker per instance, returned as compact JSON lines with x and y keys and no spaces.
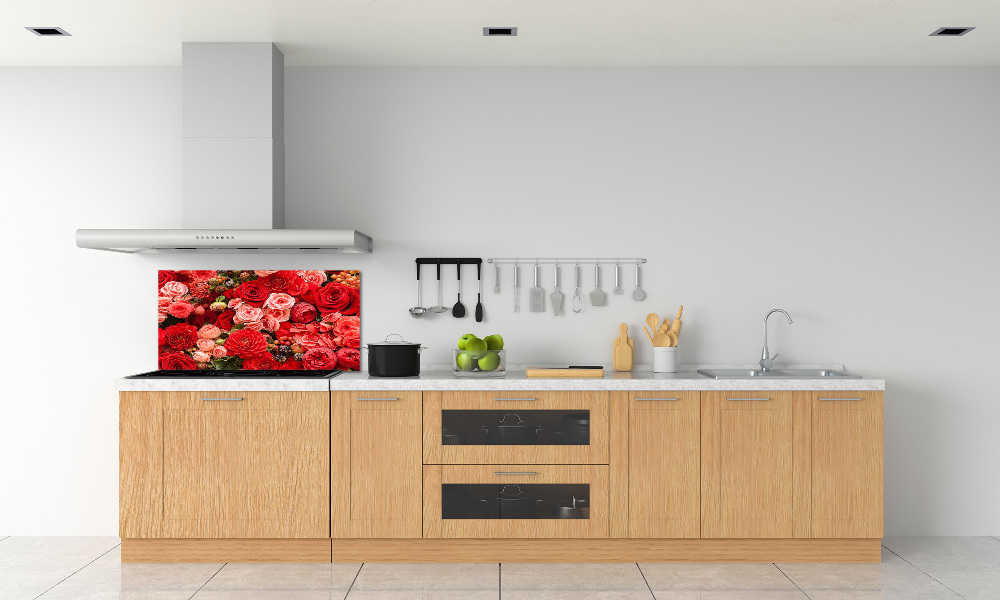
{"x":259,"y":320}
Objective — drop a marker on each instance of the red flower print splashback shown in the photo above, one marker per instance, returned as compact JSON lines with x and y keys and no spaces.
{"x":259,"y":320}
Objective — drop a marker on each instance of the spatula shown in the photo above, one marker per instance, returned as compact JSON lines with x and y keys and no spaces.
{"x":597,"y":297}
{"x":557,"y":296}
{"x":536,"y":295}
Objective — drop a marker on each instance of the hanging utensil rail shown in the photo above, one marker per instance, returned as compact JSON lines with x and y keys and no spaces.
{"x":566,"y":261}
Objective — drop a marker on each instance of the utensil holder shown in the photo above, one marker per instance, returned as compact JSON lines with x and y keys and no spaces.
{"x":664,"y":359}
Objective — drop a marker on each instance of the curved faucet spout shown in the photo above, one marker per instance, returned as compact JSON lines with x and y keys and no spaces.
{"x":766,"y":360}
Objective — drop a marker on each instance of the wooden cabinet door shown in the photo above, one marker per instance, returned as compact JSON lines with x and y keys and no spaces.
{"x":246,"y":465}
{"x":746,"y":457}
{"x":664,"y":443}
{"x":376,"y":465}
{"x":140,"y":464}
{"x":847,"y":464}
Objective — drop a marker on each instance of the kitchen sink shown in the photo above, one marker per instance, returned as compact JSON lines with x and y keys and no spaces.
{"x":777,"y":374}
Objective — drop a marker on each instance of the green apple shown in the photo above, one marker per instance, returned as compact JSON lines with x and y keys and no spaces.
{"x":494,"y":342}
{"x":476,"y":347}
{"x":490,"y":362}
{"x":462,"y":341}
{"x":465,"y":361}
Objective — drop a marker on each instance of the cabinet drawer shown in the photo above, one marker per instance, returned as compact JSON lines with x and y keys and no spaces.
{"x":516,"y":427}
{"x":515,"y":501}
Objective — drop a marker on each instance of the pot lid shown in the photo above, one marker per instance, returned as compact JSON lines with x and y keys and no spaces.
{"x":387,"y":342}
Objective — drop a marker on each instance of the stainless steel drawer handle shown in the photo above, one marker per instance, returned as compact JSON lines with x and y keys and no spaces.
{"x":744,"y":399}
{"x":515,"y":399}
{"x":222,"y":399}
{"x":514,"y":473}
{"x":377,"y":399}
{"x":656,"y":399}
{"x":840,"y":399}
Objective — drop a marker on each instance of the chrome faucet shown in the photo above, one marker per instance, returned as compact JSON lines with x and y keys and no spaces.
{"x":766,"y":360}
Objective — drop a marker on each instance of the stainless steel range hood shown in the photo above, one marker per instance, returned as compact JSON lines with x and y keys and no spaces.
{"x":233,"y":163}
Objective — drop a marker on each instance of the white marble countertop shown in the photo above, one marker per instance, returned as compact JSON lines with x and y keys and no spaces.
{"x":640,"y":379}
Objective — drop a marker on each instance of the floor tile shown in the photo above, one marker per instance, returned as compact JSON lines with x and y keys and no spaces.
{"x":269,"y":594}
{"x":384,"y":581}
{"x":28,"y":581}
{"x":971,"y":584}
{"x":329,"y":577}
{"x":675,"y":577}
{"x":166,"y":577}
{"x":581,"y":581}
{"x":842,"y":577}
{"x":929,"y":553}
{"x":70,"y":551}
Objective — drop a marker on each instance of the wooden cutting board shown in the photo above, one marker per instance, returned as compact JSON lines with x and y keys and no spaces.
{"x":563,"y":372}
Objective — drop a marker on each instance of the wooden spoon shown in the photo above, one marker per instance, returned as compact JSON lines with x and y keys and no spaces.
{"x":661,"y":338}
{"x":653,"y":321}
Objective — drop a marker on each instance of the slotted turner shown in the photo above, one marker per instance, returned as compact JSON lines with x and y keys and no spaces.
{"x":536,"y":296}
{"x":597,"y":297}
{"x":557,"y":296}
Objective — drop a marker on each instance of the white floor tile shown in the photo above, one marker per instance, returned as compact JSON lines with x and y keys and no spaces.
{"x":676,"y":577}
{"x":28,"y":581}
{"x":268,"y":594}
{"x":382,"y":581}
{"x":70,"y":551}
{"x":329,"y":577}
{"x":590,"y":577}
{"x":929,"y":553}
{"x":166,"y":577}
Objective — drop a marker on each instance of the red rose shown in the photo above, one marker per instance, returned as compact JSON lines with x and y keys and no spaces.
{"x":225,"y":320}
{"x":316,"y":359}
{"x":181,"y":336}
{"x":264,"y":362}
{"x":206,"y":318}
{"x":297,"y":286}
{"x":202,"y":275}
{"x":292,"y":365}
{"x":349,"y":359}
{"x":246,"y":343}
{"x":253,"y":291}
{"x":163,"y":336}
{"x":334,"y":297}
{"x":279,"y":280}
{"x":177,"y":361}
{"x":166,"y":276}
{"x":303,"y":312}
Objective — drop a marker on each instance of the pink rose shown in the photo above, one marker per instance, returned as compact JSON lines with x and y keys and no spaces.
{"x":270,"y":323}
{"x":219,"y":351}
{"x":174,"y":289}
{"x":181,"y":310}
{"x":308,"y":340}
{"x":209,"y":332}
{"x":330,"y":317}
{"x":161,"y":318}
{"x":205,"y":345}
{"x":201,"y":357}
{"x":235,"y":303}
{"x":264,"y":273}
{"x":314,"y":277}
{"x":279,"y":301}
{"x":279,"y":315}
{"x":254,"y":325}
{"x":247,"y":314}
{"x":199,"y":310}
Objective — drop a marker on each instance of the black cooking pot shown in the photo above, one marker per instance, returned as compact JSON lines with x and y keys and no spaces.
{"x":577,"y":427}
{"x":515,"y":504}
{"x":394,"y":359}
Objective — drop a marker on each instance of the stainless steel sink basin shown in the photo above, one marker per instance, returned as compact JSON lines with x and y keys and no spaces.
{"x":777,"y":374}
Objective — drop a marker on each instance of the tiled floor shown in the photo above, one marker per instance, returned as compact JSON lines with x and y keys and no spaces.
{"x":912,"y":569}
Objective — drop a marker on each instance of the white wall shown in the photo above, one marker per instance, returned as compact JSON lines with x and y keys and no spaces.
{"x":860,"y":200}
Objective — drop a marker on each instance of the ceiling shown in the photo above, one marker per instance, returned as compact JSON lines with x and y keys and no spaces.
{"x":551,"y":32}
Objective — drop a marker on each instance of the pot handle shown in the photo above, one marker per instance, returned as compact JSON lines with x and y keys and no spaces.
{"x":394,"y":334}
{"x":520,"y":421}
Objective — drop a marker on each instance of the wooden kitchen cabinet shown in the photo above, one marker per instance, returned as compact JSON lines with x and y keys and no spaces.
{"x":224,"y":464}
{"x":841,"y":491}
{"x":664,"y":449}
{"x":746,"y":465}
{"x":376,"y":465}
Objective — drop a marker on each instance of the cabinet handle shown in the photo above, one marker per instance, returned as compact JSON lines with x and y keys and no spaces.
{"x":514,"y":473}
{"x":744,"y":399}
{"x":225,"y":399}
{"x":840,"y":399}
{"x":515,"y":399}
{"x":377,"y":399}
{"x":656,"y":399}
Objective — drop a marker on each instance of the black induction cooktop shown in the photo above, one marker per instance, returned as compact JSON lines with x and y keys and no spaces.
{"x":214,"y":374}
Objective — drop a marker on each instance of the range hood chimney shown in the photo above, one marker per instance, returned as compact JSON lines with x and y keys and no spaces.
{"x":233,"y":145}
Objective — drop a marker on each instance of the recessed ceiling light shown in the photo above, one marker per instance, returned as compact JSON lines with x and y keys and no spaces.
{"x":952,"y":31}
{"x":47,"y":31}
{"x":491,"y":31}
